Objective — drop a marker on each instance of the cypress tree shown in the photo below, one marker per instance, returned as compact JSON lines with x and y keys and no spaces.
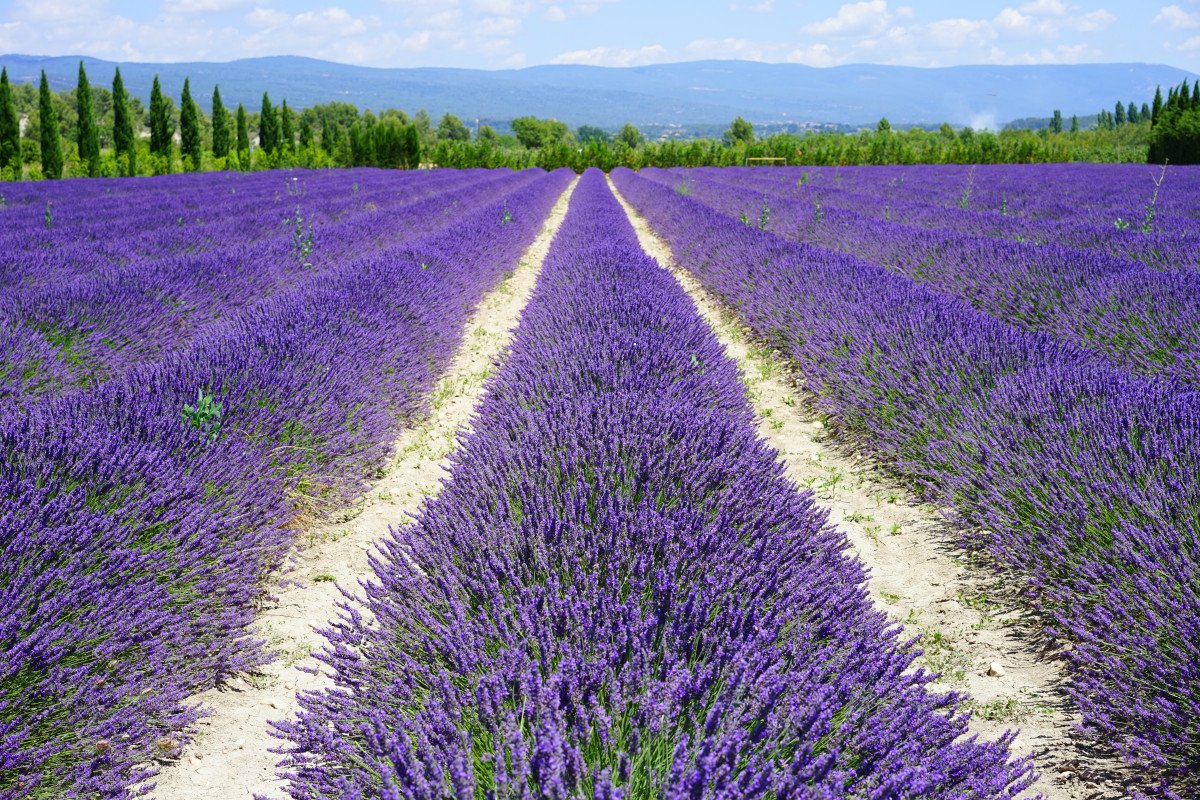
{"x":306,"y":133}
{"x":268,"y":127}
{"x":412,"y":147}
{"x":328,"y":134}
{"x":123,"y":142}
{"x":243,"y":138}
{"x":1196,"y":94}
{"x":1156,"y":109}
{"x":89,"y":135}
{"x":220,"y":126}
{"x":51,"y":140}
{"x":189,"y":130}
{"x":10,"y":127}
{"x":1144,"y":114}
{"x":1120,"y":113}
{"x":1074,"y":123}
{"x":1131,"y":113}
{"x":287,"y":132}
{"x":162,"y":126}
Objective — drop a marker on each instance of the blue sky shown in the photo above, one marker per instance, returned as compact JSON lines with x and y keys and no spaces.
{"x":495,"y":34}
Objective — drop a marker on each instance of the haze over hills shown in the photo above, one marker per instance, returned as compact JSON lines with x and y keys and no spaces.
{"x":701,"y":93}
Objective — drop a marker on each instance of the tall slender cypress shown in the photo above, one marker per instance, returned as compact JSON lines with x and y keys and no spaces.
{"x":287,"y":133}
{"x":51,"y":138}
{"x":10,"y":127}
{"x":268,"y":127}
{"x":89,"y":134}
{"x":243,"y":138}
{"x":189,"y":130}
{"x":123,"y":141}
{"x":1156,"y":109}
{"x":162,"y":126}
{"x":306,"y":133}
{"x":220,"y":126}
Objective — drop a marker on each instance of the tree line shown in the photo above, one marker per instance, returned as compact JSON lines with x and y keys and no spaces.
{"x":1175,"y":123}
{"x":94,"y":131}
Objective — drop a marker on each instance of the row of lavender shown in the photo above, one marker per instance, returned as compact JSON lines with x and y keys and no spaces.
{"x":84,"y":309}
{"x":618,"y":594}
{"x":135,"y":541}
{"x":1138,"y":212}
{"x":1084,"y":480}
{"x":1141,"y":319}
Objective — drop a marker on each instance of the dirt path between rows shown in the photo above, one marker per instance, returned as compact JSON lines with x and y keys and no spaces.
{"x":230,"y":758}
{"x":973,"y":632}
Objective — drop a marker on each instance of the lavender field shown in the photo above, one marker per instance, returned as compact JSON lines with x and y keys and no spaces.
{"x":614,"y":590}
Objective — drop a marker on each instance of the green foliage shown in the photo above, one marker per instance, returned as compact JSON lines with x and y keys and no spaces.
{"x":630,"y":136}
{"x":10,"y":127}
{"x":1175,"y":135}
{"x":205,"y":416}
{"x":243,"y":138}
{"x":220,"y":126}
{"x":123,"y":141}
{"x":740,"y":132}
{"x":88,"y":133}
{"x":452,"y":129}
{"x":162,"y":126}
{"x":189,"y":131}
{"x":51,"y":141}
{"x":535,"y":133}
{"x":303,"y":238}
{"x":287,"y":129}
{"x":268,"y":127}
{"x":48,"y":216}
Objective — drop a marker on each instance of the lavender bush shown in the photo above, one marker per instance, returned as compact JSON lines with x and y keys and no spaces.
{"x":618,"y":594}
{"x":1081,"y":478}
{"x":135,"y":544}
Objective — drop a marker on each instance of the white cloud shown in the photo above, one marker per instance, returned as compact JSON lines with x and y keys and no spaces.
{"x":1176,"y":18}
{"x":854,"y":19}
{"x":613,"y":56}
{"x":204,"y":6}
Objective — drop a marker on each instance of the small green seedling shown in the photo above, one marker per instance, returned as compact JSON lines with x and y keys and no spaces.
{"x":48,"y":216}
{"x":205,"y":416}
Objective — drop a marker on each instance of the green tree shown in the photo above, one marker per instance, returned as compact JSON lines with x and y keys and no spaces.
{"x":220,"y":126}
{"x":287,"y":129}
{"x":86,"y":130}
{"x":123,"y":141}
{"x":162,"y":125}
{"x":451,"y":129}
{"x":243,"y":138}
{"x":585,"y":134}
{"x":1056,"y":122}
{"x":741,"y":131}
{"x":10,"y":127}
{"x":1074,"y":123}
{"x":189,"y":130}
{"x":51,"y":138}
{"x":1131,"y":113}
{"x":268,"y":127}
{"x":306,"y":132}
{"x":412,"y":147}
{"x":630,"y":136}
{"x":536,"y":133}
{"x":1156,"y":109}
{"x":488,"y":135}
{"x":1119,"y":113}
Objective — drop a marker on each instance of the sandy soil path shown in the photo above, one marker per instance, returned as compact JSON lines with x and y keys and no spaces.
{"x":231,"y":757}
{"x":973,"y":632}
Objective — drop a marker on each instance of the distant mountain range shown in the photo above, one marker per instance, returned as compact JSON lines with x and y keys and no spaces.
{"x":690,"y":94}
